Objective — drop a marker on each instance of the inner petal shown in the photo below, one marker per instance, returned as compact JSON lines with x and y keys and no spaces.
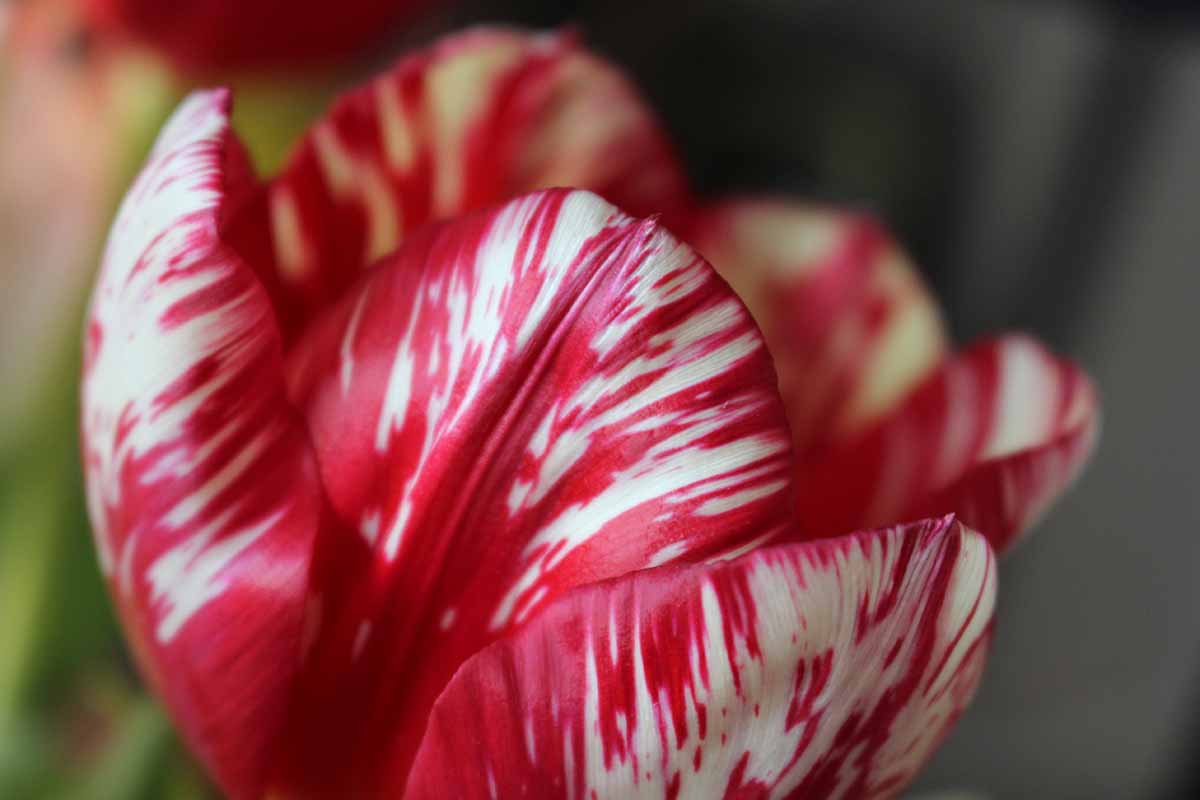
{"x":522,"y":401}
{"x":473,"y":120}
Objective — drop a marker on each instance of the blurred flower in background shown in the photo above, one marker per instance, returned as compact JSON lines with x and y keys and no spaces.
{"x":58,"y":143}
{"x":72,"y":720}
{"x":227,"y":35}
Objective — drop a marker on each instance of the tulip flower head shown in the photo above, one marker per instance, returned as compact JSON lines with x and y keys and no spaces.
{"x":414,"y":477}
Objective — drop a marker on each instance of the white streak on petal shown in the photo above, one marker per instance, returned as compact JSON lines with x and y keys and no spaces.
{"x":1025,"y":410}
{"x":346,"y":372}
{"x":188,"y":576}
{"x":292,"y":249}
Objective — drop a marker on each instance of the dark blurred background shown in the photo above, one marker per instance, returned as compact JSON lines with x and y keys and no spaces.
{"x":1038,"y":159}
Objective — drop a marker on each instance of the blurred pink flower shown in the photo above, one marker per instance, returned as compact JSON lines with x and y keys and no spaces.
{"x":222,"y":35}
{"x":56,"y":156}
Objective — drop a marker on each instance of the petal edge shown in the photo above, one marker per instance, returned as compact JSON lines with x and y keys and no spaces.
{"x":202,"y":493}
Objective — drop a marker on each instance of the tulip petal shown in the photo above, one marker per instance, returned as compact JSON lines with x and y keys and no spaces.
{"x":995,"y":435}
{"x":847,"y":318}
{"x":518,"y":402}
{"x":474,"y":120}
{"x":203,"y":494}
{"x":821,"y":669}
{"x":885,"y":426}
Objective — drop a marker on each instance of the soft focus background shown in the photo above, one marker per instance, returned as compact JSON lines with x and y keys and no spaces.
{"x":1039,"y":160}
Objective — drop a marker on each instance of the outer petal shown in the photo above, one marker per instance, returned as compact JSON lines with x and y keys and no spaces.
{"x":848,"y":320}
{"x":233,"y":34}
{"x":994,"y":435}
{"x":203,"y":495}
{"x":474,"y":120}
{"x":825,"y":669}
{"x":519,"y":402}
{"x":885,"y":426}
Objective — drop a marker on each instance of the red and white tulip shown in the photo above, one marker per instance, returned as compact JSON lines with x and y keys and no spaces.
{"x":412,"y":477}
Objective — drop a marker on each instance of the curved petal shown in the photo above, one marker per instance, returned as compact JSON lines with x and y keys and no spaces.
{"x":994,"y":435}
{"x":847,"y":319}
{"x":475,"y":119}
{"x":521,"y":401}
{"x":822,"y":669}
{"x":223,"y":35}
{"x":885,"y":426}
{"x":203,"y":495}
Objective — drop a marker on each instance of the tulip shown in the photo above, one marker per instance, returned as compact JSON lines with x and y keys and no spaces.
{"x":413,"y":477}
{"x":249,"y":34}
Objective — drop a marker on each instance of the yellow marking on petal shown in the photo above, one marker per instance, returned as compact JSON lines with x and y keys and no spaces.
{"x":593,"y":110}
{"x":353,"y":178}
{"x":398,"y":144}
{"x":458,"y":89}
{"x":337,"y":164}
{"x":291,"y":246}
{"x":1082,"y":407}
{"x":770,"y":244}
{"x":383,"y":215}
{"x":800,"y":240}
{"x":911,"y":345}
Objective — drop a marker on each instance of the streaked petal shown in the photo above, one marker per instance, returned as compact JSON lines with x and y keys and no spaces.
{"x":994,"y":435}
{"x":886,"y":427}
{"x":521,"y":401}
{"x":823,"y":669}
{"x":203,"y":495}
{"x":474,"y":120}
{"x":848,"y":320}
